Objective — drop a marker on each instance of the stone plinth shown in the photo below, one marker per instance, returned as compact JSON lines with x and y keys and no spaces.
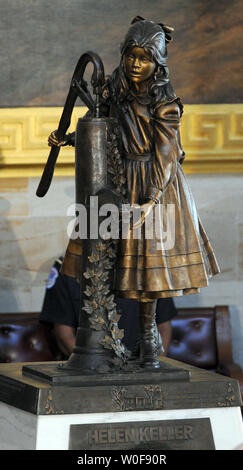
{"x":202,"y":412}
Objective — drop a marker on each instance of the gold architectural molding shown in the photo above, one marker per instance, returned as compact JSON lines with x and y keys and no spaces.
{"x":212,"y":137}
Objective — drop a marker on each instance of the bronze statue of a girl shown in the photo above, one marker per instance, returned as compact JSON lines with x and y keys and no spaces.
{"x":140,"y":96}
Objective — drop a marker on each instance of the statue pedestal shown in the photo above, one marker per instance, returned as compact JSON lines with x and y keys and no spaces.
{"x":200,"y":413}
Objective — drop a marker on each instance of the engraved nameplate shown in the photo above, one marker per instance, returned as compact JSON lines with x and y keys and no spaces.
{"x":177,"y":434}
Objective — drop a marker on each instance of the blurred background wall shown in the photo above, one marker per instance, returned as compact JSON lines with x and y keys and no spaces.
{"x":41,"y":42}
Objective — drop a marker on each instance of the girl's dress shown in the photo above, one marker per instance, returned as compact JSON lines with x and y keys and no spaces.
{"x":156,"y":267}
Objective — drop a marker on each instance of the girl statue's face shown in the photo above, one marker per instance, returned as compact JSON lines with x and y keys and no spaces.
{"x":138,"y":65}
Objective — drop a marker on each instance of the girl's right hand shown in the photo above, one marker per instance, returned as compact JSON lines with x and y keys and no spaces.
{"x":53,"y":140}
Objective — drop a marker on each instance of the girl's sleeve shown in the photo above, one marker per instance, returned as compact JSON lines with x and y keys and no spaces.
{"x":167,"y":149}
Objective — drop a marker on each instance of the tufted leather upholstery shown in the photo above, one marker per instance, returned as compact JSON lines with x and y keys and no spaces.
{"x":24,"y":339}
{"x":194,"y":340}
{"x":200,"y":337}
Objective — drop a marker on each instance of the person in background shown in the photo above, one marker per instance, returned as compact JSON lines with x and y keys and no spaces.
{"x":61,"y":307}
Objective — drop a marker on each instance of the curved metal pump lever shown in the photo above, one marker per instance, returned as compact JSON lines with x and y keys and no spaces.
{"x":77,"y":88}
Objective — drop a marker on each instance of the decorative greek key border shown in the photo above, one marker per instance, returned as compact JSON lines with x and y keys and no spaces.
{"x":212,"y":138}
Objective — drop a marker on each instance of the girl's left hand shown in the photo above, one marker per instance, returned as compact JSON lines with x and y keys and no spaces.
{"x":146,"y":210}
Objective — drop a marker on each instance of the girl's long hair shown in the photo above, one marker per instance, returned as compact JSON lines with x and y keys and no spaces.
{"x":152,"y":38}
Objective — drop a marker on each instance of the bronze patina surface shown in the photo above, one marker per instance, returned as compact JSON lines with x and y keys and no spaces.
{"x":129,"y":375}
{"x":133,"y":123}
{"x":175,"y":434}
{"x":203,"y":390}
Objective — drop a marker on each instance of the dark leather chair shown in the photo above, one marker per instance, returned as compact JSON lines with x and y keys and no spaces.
{"x":202,"y":337}
{"x":24,"y":339}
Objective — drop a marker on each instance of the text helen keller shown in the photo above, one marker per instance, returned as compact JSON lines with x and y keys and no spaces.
{"x":140,"y":434}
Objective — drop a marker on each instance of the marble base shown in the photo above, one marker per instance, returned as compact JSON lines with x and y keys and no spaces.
{"x":38,"y":416}
{"x":21,"y":430}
